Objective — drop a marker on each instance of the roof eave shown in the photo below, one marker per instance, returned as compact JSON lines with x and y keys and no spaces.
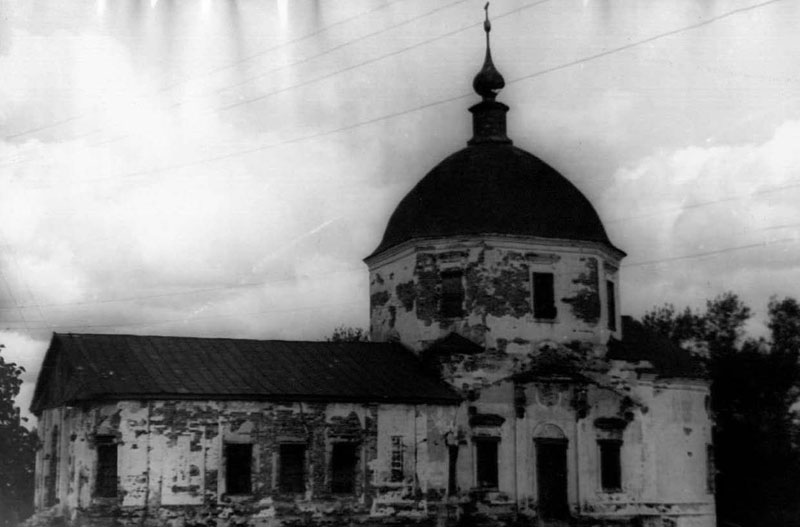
{"x":451,"y":400}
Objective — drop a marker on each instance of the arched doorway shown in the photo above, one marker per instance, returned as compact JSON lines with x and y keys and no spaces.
{"x":551,"y":471}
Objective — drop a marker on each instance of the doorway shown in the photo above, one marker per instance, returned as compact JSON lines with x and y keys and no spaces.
{"x":551,"y":478}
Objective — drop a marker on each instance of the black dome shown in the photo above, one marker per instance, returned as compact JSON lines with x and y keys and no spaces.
{"x":494,"y":188}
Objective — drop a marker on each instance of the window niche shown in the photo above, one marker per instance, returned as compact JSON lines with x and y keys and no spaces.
{"x":397,"y":466}
{"x":238,"y":468}
{"x":51,"y":480}
{"x":452,"y":297}
{"x":452,"y":470}
{"x":106,"y":478}
{"x":611,"y":305}
{"x":292,"y":468}
{"x":610,"y":464}
{"x":544,"y":296}
{"x":486,"y":472}
{"x":344,"y":460}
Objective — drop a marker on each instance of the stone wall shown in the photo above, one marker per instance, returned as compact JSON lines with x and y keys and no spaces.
{"x":406,"y":293}
{"x":172,"y":466}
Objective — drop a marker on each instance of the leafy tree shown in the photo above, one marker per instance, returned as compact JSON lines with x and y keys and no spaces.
{"x":17,"y":450}
{"x":753,"y":387}
{"x":349,"y":334}
{"x":684,"y":328}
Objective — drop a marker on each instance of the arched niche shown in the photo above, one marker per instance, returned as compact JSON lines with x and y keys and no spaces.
{"x":549,"y":431}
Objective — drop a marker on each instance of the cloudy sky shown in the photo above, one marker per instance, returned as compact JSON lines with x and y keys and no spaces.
{"x":221,"y":167}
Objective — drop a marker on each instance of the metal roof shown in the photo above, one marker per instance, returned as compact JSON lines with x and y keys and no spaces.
{"x":86,"y":367}
{"x":642,"y":344}
{"x":494,"y":189}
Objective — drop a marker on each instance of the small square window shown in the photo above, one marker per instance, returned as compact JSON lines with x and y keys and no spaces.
{"x":238,"y":468}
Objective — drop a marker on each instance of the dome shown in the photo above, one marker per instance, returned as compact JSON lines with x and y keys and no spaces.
{"x":494,"y":188}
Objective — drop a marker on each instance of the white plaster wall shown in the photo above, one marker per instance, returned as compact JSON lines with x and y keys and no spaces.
{"x":392,"y":320}
{"x":170,"y":453}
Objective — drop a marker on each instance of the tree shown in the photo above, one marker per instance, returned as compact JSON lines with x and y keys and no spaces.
{"x":753,"y":387}
{"x":349,"y":334}
{"x":17,"y":450}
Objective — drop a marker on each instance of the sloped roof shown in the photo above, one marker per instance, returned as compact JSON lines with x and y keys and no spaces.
{"x":85,"y":367}
{"x":641,"y":344}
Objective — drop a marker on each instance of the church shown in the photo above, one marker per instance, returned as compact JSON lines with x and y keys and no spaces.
{"x":501,"y":385}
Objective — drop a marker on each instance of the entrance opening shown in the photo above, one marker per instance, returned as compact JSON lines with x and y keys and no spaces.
{"x":551,"y":478}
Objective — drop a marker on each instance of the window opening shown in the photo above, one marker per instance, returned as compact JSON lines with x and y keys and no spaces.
{"x":397,"y":459}
{"x":52,"y":472}
{"x":610,"y":465}
{"x":486,"y":459}
{"x":611,"y":304}
{"x":238,"y":468}
{"x":292,"y":475}
{"x":544,"y":298}
{"x":711,"y":470}
{"x":343,"y":468}
{"x":452,"y":484}
{"x":106,"y":478}
{"x":452,"y":294}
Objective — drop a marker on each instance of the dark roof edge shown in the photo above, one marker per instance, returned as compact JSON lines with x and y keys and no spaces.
{"x":399,"y":247}
{"x":235,"y":339}
{"x":100,"y":398}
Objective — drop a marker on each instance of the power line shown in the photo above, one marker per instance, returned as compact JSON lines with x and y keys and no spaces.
{"x":710,"y":253}
{"x":192,"y":319}
{"x":648,"y":40}
{"x":244,"y":285}
{"x":220,"y":157}
{"x":14,"y":300}
{"x":178,"y":166}
{"x":12,"y":252}
{"x":768,"y":190}
{"x":207,"y":73}
{"x":328,"y":75}
{"x":340,"y":46}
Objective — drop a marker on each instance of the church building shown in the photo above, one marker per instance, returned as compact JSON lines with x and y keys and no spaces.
{"x":501,"y":385}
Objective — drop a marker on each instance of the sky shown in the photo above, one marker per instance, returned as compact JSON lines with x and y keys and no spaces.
{"x":221,"y":167}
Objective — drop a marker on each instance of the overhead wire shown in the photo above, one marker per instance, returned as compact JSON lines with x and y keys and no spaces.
{"x":518,"y":79}
{"x":392,"y":115}
{"x":316,"y":79}
{"x":171,"y":294}
{"x":191,"y":319}
{"x":212,"y":71}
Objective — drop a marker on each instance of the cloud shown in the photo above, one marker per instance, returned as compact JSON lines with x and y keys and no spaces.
{"x":707,"y":219}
